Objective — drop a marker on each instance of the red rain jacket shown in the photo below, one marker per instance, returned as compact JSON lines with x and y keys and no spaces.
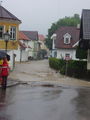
{"x":0,"y":72}
{"x":5,"y":68}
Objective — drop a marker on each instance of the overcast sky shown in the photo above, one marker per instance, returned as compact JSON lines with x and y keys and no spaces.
{"x":38,"y":15}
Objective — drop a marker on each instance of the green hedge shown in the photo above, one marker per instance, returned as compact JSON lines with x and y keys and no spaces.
{"x":75,"y":68}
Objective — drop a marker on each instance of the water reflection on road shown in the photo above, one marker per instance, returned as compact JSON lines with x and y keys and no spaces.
{"x":25,"y":102}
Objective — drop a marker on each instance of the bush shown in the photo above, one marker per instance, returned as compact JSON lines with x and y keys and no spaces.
{"x":54,"y":63}
{"x":75,"y":68}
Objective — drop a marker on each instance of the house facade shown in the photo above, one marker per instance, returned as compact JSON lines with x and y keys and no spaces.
{"x":64,"y":40}
{"x":22,"y":51}
{"x":32,"y":43}
{"x":42,"y":41}
{"x":10,"y":23}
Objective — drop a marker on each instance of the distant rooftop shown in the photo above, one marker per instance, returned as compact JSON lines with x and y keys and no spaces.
{"x":5,"y":14}
{"x":22,"y":36}
{"x":33,"y":35}
{"x":72,"y":31}
{"x":41,"y":37}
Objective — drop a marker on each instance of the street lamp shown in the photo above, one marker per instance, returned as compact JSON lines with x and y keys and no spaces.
{"x":6,"y":39}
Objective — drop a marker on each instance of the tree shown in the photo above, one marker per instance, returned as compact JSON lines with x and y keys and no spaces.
{"x":66,"y":21}
{"x":81,"y":53}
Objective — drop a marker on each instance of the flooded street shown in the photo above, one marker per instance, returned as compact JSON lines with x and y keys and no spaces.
{"x":40,"y":71}
{"x":44,"y":94}
{"x":44,"y":102}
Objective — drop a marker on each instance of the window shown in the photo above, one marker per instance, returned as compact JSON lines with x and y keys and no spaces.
{"x":67,"y":56}
{"x":67,"y":41}
{"x":55,"y":53}
{"x":13,"y":33}
{"x":1,"y":31}
{"x":67,"y":38}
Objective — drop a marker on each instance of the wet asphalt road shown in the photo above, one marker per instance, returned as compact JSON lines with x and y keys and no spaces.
{"x":43,"y":102}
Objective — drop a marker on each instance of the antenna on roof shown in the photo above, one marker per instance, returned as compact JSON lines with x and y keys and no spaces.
{"x":1,"y":3}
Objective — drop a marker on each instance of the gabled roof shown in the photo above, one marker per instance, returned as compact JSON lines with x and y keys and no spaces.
{"x":41,"y":37}
{"x":32,"y":35}
{"x":5,"y":14}
{"x":73,"y":31}
{"x":85,"y":25}
{"x":22,"y":36}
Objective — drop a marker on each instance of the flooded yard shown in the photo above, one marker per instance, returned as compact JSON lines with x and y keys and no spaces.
{"x":44,"y":102}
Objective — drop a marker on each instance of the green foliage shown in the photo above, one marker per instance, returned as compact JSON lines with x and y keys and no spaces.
{"x":75,"y":68}
{"x":81,"y":53}
{"x":48,"y":42}
{"x":67,"y":21}
{"x":54,"y":63}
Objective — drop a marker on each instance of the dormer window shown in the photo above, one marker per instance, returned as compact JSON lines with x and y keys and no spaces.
{"x":67,"y":38}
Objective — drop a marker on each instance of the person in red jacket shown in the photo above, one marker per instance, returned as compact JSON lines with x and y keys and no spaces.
{"x":0,"y":74}
{"x":5,"y":72}
{"x":1,"y":62}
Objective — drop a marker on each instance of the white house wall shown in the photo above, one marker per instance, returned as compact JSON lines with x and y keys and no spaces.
{"x":31,"y":44}
{"x":24,"y":55}
{"x":61,"y":53}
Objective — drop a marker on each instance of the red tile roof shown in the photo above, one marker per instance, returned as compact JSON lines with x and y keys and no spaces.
{"x":22,"y":36}
{"x":73,"y":31}
{"x":33,"y":35}
{"x":41,"y":37}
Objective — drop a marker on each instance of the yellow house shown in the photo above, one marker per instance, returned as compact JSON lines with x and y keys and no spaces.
{"x":10,"y":23}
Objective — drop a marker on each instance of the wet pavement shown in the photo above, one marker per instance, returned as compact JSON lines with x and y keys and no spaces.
{"x":44,"y":102}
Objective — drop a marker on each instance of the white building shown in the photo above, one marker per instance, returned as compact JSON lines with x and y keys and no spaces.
{"x":28,"y":46}
{"x":64,"y":40}
{"x":33,"y":43}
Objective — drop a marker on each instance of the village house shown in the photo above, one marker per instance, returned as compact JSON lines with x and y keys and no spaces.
{"x":31,"y":43}
{"x":23,"y":47}
{"x":63,"y":42}
{"x":42,"y":41}
{"x":9,"y":23}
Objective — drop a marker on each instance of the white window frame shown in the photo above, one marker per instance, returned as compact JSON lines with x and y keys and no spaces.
{"x":13,"y":32}
{"x":67,"y":56}
{"x":2,"y":31}
{"x":67,"y":36}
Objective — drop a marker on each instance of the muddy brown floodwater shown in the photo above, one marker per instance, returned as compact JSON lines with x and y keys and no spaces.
{"x":45,"y":102}
{"x":40,"y":71}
